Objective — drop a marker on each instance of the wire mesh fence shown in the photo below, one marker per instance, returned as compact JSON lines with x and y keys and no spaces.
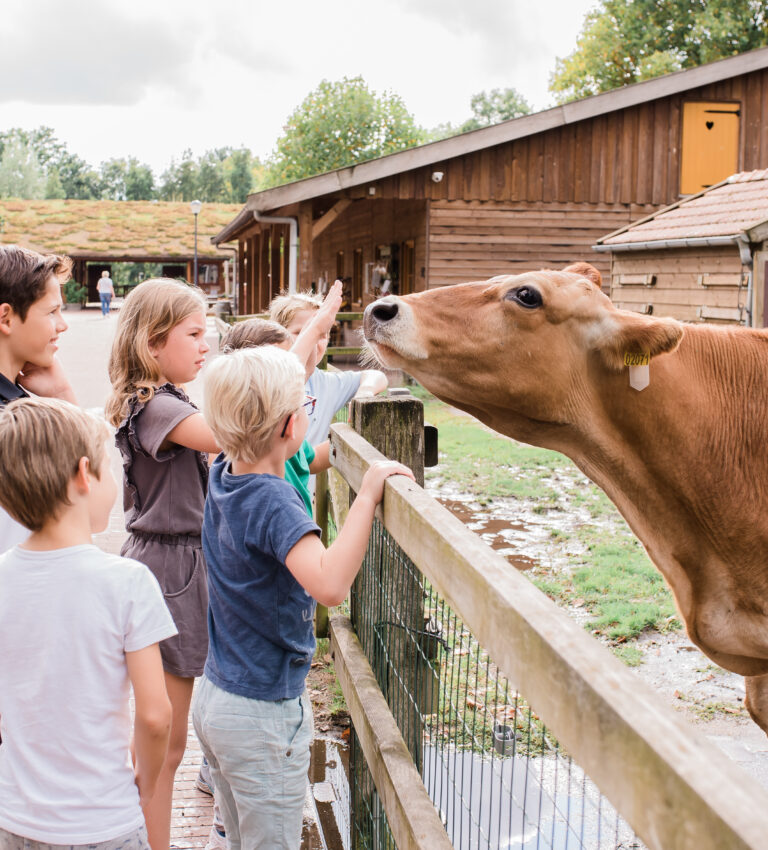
{"x":497,"y":777}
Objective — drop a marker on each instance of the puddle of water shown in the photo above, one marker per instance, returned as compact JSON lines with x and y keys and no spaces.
{"x":328,"y":775}
{"x":497,"y":532}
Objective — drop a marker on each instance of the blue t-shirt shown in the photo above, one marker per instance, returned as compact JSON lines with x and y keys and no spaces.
{"x":260,"y":619}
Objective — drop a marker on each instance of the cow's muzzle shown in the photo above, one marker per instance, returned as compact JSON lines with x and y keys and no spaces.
{"x":378,"y":315}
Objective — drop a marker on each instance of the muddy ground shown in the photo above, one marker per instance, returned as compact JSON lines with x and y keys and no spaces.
{"x":709,"y":697}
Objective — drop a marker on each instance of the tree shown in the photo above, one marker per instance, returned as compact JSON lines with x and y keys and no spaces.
{"x":20,"y":173}
{"x":212,"y":183}
{"x":495,"y":106}
{"x":338,"y":124}
{"x":626,"y":41}
{"x":240,"y":175}
{"x":139,"y":181}
{"x":179,"y":181}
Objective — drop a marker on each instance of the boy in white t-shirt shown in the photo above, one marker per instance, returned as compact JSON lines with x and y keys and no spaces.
{"x":78,"y":627}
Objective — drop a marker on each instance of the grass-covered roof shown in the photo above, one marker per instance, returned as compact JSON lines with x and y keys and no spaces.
{"x":134,"y":230}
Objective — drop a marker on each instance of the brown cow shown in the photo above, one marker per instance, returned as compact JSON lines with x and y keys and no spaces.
{"x":541,"y":357}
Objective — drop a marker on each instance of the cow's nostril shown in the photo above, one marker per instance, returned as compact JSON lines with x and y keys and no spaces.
{"x":384,"y":312}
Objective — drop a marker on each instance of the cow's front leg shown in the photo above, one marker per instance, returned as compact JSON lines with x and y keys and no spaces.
{"x":757,"y":700}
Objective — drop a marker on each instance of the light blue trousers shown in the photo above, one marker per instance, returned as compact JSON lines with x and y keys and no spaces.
{"x":258,"y":753}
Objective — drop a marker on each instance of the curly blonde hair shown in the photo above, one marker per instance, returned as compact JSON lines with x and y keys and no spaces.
{"x":147,"y":316}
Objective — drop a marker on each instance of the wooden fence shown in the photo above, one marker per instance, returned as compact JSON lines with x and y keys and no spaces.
{"x":675,"y":788}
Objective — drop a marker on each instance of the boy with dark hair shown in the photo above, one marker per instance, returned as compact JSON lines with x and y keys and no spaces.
{"x":79,"y":627}
{"x":30,"y":324}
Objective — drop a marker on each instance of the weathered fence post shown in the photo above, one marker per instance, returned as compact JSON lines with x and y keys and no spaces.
{"x":395,"y":426}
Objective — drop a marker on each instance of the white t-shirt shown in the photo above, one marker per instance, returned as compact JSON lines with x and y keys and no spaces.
{"x":104,"y":285}
{"x":332,"y":390}
{"x":67,"y":618}
{"x":11,"y":532}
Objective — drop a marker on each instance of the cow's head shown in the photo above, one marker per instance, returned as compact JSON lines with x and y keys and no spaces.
{"x":528,"y":345}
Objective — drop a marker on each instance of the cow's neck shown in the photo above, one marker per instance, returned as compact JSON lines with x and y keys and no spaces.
{"x":678,"y":456}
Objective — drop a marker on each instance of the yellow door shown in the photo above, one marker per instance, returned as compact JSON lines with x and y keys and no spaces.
{"x":710,"y":147}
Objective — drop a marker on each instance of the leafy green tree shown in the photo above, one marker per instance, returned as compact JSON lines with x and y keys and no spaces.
{"x":338,"y":124}
{"x":180,"y":180}
{"x":212,"y":185}
{"x":53,"y":185}
{"x":240,"y":176}
{"x":626,"y":41}
{"x":139,"y":181}
{"x":495,"y":106}
{"x":20,"y":173}
{"x":113,"y":173}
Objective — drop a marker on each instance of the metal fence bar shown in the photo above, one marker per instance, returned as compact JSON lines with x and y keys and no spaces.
{"x":663,"y":777}
{"x":412,"y":818}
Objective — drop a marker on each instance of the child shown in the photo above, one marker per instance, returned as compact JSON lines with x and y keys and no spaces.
{"x":164,"y":440}
{"x":309,"y":459}
{"x":79,"y":627}
{"x":30,"y":323}
{"x":331,"y":389}
{"x":267,"y":567}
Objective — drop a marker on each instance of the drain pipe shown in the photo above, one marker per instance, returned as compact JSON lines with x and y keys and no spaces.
{"x":745,"y":254}
{"x":293,"y":242}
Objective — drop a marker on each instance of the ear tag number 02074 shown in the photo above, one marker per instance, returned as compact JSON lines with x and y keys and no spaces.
{"x":639,"y":369}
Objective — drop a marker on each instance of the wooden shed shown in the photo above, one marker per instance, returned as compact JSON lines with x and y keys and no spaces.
{"x":536,"y":191}
{"x":96,"y":234}
{"x":702,"y":259}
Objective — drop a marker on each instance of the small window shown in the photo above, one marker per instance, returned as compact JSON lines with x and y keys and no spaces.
{"x":710,"y":146}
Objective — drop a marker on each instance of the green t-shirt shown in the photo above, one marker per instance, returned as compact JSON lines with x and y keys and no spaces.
{"x":297,"y":472}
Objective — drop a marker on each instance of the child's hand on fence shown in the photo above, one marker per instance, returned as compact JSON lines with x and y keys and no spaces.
{"x":377,"y":474}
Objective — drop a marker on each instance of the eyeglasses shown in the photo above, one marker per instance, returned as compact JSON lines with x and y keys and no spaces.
{"x":310,"y":403}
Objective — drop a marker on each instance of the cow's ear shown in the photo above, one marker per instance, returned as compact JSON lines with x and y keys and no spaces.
{"x":638,"y":335}
{"x":587,"y":271}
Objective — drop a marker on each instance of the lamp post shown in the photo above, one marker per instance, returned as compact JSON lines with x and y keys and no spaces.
{"x":195,"y":206}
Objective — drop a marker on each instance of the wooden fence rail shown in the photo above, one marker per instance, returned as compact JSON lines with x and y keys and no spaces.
{"x":675,"y":789}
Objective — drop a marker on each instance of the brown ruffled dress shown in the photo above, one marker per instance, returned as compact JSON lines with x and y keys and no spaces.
{"x":163,"y":498}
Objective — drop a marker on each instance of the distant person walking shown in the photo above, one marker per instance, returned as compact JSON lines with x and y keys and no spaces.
{"x":106,"y":292}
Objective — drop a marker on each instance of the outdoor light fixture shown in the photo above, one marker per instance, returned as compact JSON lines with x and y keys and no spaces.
{"x":195,"y":206}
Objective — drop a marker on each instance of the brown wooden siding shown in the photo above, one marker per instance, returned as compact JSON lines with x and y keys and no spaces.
{"x":692,"y":285}
{"x":630,"y":157}
{"x":474,"y":241}
{"x":366,"y":224}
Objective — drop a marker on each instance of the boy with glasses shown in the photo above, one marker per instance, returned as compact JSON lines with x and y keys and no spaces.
{"x":266,"y":569}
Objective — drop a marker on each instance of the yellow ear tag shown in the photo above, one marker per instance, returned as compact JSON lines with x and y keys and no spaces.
{"x":639,"y":369}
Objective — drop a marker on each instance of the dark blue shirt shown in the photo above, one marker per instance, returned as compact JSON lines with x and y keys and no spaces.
{"x":260,"y":619}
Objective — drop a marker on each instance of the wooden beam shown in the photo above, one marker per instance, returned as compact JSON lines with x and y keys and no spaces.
{"x":306,"y":236}
{"x":666,"y":779}
{"x":412,"y":817}
{"x":328,"y":218}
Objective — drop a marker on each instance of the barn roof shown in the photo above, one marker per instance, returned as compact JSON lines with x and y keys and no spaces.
{"x":135,"y":230}
{"x":516,"y":128}
{"x":736,"y":206}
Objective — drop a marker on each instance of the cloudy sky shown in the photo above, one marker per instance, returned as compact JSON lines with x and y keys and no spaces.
{"x":149,"y":78}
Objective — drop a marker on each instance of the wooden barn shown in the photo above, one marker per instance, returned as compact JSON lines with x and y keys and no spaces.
{"x":536,"y":191}
{"x":96,"y":234}
{"x":702,"y":259}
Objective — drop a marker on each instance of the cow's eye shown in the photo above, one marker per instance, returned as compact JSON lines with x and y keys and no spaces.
{"x":526,"y":295}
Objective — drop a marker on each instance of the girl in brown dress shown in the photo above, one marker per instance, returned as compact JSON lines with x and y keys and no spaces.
{"x":163,"y":439}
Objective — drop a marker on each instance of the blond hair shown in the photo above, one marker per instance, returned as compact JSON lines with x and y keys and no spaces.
{"x":284,"y":307}
{"x":148,"y":315}
{"x":41,"y":443}
{"x":248,"y":394}
{"x":253,"y":333}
